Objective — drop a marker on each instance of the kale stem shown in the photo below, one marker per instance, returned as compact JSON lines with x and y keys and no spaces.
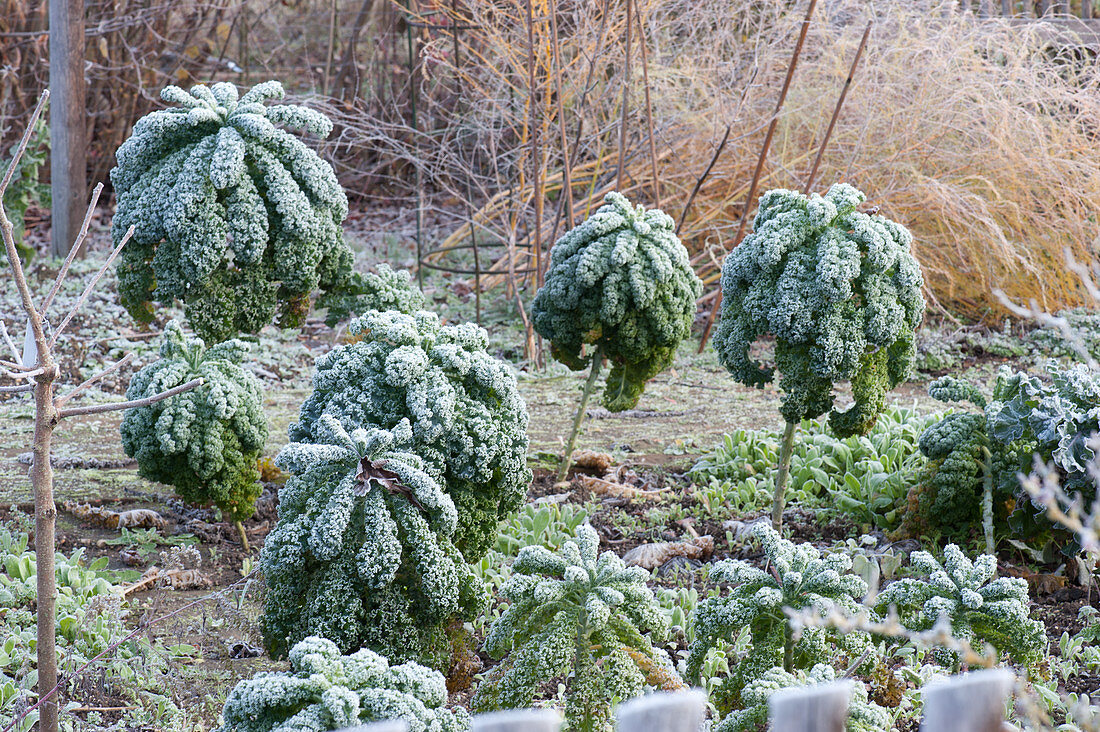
{"x":244,"y":537}
{"x":589,"y":387}
{"x":785,"y":451}
{"x":987,"y":498}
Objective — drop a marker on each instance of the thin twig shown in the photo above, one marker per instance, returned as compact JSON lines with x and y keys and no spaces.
{"x":567,"y":173}
{"x":836,"y":110}
{"x":699,"y":182}
{"x":578,"y":109}
{"x":91,"y":285}
{"x":24,"y":141}
{"x":9,"y":341}
{"x":18,"y":375}
{"x":626,"y":102}
{"x":73,"y":250}
{"x":21,"y":389}
{"x":648,"y":107}
{"x":132,"y":404}
{"x":760,"y":161}
{"x":92,"y":380}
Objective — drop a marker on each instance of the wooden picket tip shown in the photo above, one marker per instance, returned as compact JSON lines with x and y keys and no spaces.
{"x":667,"y":711}
{"x":972,"y":702}
{"x":818,"y":708}
{"x":518,"y":720}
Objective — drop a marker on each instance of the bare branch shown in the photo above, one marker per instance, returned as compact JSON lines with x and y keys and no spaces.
{"x":25,"y":141}
{"x":91,"y":286}
{"x":90,"y":381}
{"x":74,"y":249}
{"x":9,"y":341}
{"x":132,"y":404}
{"x":19,"y":376}
{"x":1034,"y":312}
{"x":16,"y":389}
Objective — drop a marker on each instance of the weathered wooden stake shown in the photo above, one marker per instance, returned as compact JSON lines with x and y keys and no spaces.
{"x":667,"y":711}
{"x":518,"y":720}
{"x":973,"y":702}
{"x":68,"y":174}
{"x":820,"y":708}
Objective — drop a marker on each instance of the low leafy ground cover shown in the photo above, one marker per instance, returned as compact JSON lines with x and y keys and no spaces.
{"x":695,"y":453}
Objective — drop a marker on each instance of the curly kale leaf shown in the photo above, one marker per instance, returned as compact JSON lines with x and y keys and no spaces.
{"x":386,"y":289}
{"x":326,"y":691}
{"x":468,"y":420}
{"x":802,"y":578}
{"x":232,"y":215}
{"x":206,"y":441}
{"x":979,"y":606}
{"x":622,"y":284}
{"x":363,"y":553}
{"x":839,"y":291}
{"x":582,"y":616}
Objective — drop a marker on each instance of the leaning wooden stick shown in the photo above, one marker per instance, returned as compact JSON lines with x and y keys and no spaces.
{"x":760,"y":161}
{"x":836,"y":110}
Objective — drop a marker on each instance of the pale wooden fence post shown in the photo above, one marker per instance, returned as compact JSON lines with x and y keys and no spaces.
{"x":972,"y":702}
{"x":663,"y":711}
{"x":818,"y":708}
{"x":518,"y":720}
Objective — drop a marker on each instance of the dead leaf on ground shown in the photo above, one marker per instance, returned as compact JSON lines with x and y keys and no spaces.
{"x":1038,"y":582}
{"x":599,"y":462}
{"x":651,"y":556}
{"x":138,"y":518}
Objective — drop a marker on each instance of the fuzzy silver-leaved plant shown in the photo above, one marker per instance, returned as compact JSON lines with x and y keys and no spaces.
{"x":231,"y":214}
{"x":863,"y":715}
{"x":798,"y":577}
{"x":583,"y":617}
{"x":981,"y":606}
{"x":469,"y":423}
{"x":326,"y":691}
{"x":204,"y":442}
{"x":363,"y":552}
{"x":839,"y":291}
{"x":620,"y":283}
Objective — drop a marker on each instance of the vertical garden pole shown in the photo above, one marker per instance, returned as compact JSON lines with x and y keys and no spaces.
{"x":68,"y":176}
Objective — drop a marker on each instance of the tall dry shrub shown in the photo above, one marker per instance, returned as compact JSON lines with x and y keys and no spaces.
{"x":981,"y":136}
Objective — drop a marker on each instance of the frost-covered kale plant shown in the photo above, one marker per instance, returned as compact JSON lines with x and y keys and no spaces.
{"x":840,"y":293}
{"x":982,"y":454}
{"x":797,"y":577}
{"x":363,"y":553}
{"x":621,"y":285}
{"x":326,"y":691}
{"x":469,"y":423}
{"x":204,"y":442}
{"x":586,"y":619}
{"x":234,"y":216}
{"x":863,"y":715}
{"x":386,"y":289}
{"x":970,"y":476}
{"x":980,"y":606}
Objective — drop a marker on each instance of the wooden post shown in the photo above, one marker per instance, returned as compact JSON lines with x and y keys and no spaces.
{"x":68,"y":174}
{"x":819,"y":708}
{"x":663,"y":711}
{"x":972,"y":702}
{"x":518,"y":720}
